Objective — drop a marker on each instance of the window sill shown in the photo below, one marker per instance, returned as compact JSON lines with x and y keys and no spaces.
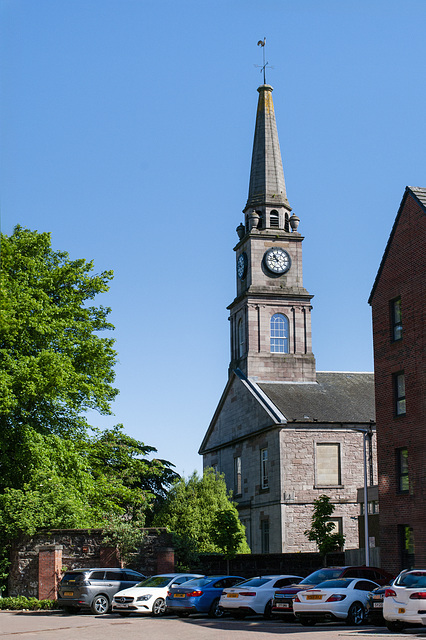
{"x":329,"y":486}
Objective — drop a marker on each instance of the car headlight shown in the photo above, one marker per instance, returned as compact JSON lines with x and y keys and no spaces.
{"x":146,"y":597}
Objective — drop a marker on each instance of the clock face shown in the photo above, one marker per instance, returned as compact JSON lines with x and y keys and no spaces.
{"x":242,"y":266}
{"x":277,"y":260}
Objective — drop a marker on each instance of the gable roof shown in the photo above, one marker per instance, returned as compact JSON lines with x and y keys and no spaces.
{"x":343,"y":397}
{"x":419,"y":194}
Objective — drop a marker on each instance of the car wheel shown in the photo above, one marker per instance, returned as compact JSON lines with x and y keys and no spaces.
{"x":159,"y":607}
{"x":395,"y":625}
{"x":267,"y":613}
{"x":307,"y":622}
{"x":215,"y":611}
{"x":356,"y":614}
{"x":100,"y":604}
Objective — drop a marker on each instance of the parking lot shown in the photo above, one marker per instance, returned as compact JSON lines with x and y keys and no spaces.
{"x":60,"y":626}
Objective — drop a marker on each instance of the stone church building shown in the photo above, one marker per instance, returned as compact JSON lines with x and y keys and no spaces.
{"x":283,"y":433}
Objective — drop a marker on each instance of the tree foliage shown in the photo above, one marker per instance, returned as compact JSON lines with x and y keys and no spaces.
{"x":56,"y":363}
{"x":190,"y":510}
{"x":322,"y":530}
{"x":227,"y":532}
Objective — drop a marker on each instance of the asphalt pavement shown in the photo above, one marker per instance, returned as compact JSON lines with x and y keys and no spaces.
{"x":29,"y":625}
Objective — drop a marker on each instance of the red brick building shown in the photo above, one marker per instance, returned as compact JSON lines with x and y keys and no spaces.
{"x":398,"y":301}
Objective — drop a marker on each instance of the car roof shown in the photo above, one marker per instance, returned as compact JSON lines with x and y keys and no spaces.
{"x":82,"y":569}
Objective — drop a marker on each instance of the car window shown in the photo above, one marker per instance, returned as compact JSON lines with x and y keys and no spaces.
{"x":229,"y":582}
{"x":182,"y":579}
{"x":339,"y":583}
{"x":321,"y":575}
{"x":415,"y":579}
{"x":156,"y":581}
{"x":254,"y":582}
{"x":114,"y":575}
{"x":354,"y":573}
{"x":284,"y":582}
{"x":73,"y":577}
{"x":195,"y":582}
{"x":97,"y":575}
{"x":131,"y":577}
{"x":365,"y":585}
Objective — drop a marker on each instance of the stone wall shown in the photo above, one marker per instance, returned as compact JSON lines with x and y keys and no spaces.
{"x":38,"y":562}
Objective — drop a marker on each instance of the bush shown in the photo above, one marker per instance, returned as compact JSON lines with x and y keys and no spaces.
{"x":23,"y":603}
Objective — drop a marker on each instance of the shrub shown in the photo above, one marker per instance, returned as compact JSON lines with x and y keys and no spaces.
{"x":23,"y":603}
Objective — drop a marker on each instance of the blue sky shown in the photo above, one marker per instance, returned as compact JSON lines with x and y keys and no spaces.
{"x":126,"y":131}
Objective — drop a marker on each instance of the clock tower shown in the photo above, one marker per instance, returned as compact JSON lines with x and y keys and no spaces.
{"x":270,"y":318}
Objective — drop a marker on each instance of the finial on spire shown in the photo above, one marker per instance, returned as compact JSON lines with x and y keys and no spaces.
{"x":262,"y":44}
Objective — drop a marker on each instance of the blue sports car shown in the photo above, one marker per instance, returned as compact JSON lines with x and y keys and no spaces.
{"x":200,"y":595}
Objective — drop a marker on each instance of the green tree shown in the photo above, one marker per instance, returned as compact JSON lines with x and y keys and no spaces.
{"x":189,"y":512}
{"x":54,"y":364}
{"x":228,"y":533}
{"x":322,"y":529}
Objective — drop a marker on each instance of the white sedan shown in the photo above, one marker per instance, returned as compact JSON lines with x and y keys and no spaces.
{"x":149,"y":596}
{"x":338,"y":599}
{"x":254,"y":596}
{"x":405,"y":600}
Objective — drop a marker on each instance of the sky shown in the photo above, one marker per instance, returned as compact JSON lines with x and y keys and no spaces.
{"x":126,"y":131}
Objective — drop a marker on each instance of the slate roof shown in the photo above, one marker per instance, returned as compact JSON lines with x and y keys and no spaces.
{"x":336,"y":397}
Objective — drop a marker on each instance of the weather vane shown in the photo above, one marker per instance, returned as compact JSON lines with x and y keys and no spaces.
{"x":262,"y":43}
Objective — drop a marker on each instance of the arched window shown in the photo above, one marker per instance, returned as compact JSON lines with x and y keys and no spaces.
{"x":241,"y":339}
{"x":279,"y":333}
{"x":274,"y":218}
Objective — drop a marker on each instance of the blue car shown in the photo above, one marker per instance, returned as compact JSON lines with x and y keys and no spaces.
{"x":200,"y":595}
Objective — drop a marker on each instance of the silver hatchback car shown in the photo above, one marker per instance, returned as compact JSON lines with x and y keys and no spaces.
{"x":94,"y":588}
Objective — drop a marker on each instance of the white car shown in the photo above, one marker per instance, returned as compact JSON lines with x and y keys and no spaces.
{"x":405,"y":600}
{"x":254,"y":596}
{"x":338,"y":599}
{"x":149,"y":596}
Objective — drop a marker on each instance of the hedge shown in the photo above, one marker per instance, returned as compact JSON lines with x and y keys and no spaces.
{"x":23,"y":603}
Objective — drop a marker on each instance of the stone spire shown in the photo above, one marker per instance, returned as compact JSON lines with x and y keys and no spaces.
{"x":267,"y":185}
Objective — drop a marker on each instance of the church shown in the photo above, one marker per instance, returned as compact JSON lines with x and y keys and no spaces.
{"x":283,"y":433}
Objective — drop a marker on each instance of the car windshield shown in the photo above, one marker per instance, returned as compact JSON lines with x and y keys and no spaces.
{"x":156,"y":581}
{"x":341,"y":583}
{"x":414,"y":579}
{"x":254,"y":582}
{"x":198,"y":582}
{"x":321,"y":575}
{"x":73,"y":577}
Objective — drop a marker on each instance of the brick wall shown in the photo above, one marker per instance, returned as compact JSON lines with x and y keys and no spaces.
{"x":403,"y":273}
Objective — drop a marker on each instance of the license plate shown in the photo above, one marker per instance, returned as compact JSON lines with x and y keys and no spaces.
{"x":314,"y":597}
{"x":401,"y":610}
{"x":378,"y":605}
{"x":68,"y":593}
{"x":232,"y":595}
{"x":179,"y":595}
{"x":117,"y":605}
{"x":282,"y":605}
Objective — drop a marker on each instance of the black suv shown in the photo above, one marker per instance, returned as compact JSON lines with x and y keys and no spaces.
{"x":94,"y":588}
{"x":282,"y":604}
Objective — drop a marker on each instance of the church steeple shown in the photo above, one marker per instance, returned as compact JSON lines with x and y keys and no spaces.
{"x":267,"y":185}
{"x":270,"y":316}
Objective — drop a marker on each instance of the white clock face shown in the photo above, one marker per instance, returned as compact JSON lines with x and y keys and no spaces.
{"x":277,"y":260}
{"x":242,"y":266}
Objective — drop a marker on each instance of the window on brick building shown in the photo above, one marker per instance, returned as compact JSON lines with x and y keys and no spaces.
{"x":237,"y":476}
{"x":402,"y":470}
{"x":264,"y":480}
{"x":279,"y":333}
{"x":327,"y":464}
{"x":396,"y":319}
{"x":399,"y":389}
{"x":264,"y":536}
{"x":406,"y":546}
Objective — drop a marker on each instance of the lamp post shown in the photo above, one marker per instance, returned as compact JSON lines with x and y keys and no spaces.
{"x":367,"y":434}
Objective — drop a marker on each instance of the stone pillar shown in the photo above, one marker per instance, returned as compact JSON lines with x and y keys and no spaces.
{"x":49,"y":570}
{"x":109,"y":557}
{"x":165,"y":560}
